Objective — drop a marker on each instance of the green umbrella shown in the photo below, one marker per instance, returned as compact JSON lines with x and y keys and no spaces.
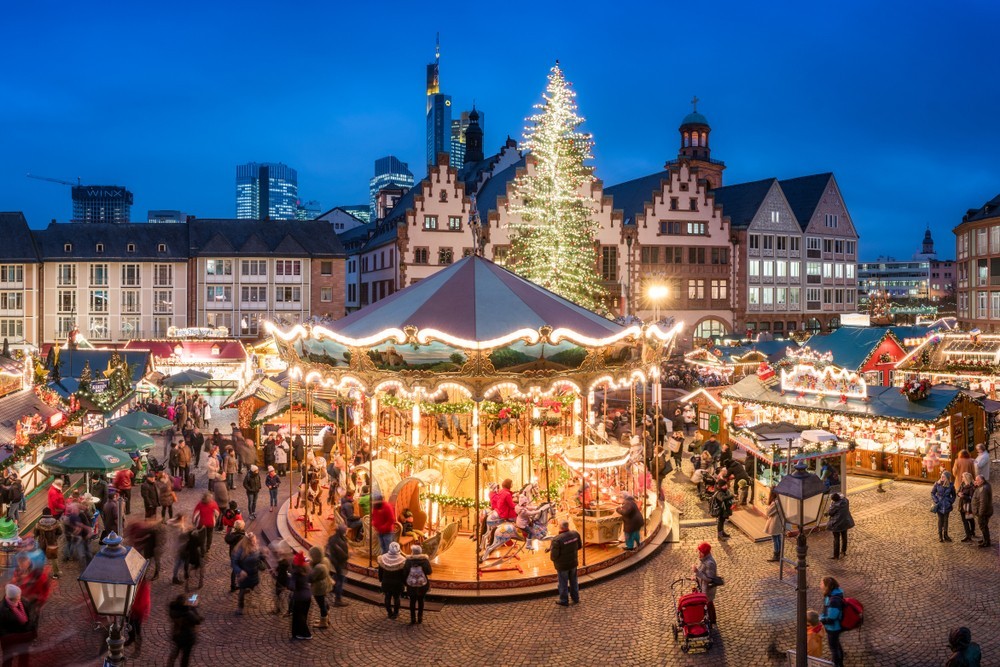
{"x":187,"y":379}
{"x":121,"y":438}
{"x":86,"y":457}
{"x":144,"y":421}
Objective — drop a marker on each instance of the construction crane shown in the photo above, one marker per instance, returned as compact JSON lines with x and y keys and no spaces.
{"x":55,"y":180}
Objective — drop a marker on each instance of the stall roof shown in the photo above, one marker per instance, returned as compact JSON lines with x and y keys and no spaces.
{"x":884,"y":402}
{"x":15,"y":406}
{"x":281,"y":405}
{"x":194,"y":350}
{"x":851,"y":346}
{"x":261,"y":387}
{"x":71,"y":362}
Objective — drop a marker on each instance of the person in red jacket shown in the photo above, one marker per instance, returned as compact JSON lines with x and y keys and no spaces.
{"x":123,"y":482}
{"x":57,"y":501}
{"x":384,"y":523}
{"x":505,"y":502}
{"x":138,"y":615}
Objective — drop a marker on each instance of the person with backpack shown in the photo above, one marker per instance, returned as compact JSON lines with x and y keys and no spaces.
{"x":831,"y":618}
{"x":393,"y":575}
{"x":943,"y":495}
{"x":418,"y":569}
{"x":721,"y":507}
{"x":839,"y":523}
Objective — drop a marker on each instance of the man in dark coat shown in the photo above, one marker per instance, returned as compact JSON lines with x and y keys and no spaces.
{"x":197,"y":442}
{"x":563,"y":552}
{"x":632,"y":521}
{"x":982,"y":508}
{"x":839,"y":523}
{"x":337,"y":552}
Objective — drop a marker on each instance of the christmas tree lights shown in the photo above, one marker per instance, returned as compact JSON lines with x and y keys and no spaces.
{"x":553,"y":230}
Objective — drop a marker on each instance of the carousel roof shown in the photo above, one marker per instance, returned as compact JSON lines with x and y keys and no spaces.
{"x":477,"y":300}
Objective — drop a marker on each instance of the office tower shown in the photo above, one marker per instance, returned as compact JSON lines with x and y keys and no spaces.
{"x":165,"y":216}
{"x":438,"y":112}
{"x":458,"y":140}
{"x":266,"y":191}
{"x":101,"y":203}
{"x":390,"y":171}
{"x":308,"y":210}
{"x":361,"y":212}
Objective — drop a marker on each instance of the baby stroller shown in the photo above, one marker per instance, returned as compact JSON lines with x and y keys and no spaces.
{"x":692,"y":616}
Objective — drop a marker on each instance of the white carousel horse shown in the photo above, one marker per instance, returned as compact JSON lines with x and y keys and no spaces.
{"x":507,"y":531}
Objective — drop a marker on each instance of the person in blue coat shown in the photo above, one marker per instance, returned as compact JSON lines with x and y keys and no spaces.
{"x":833,"y":612}
{"x":943,"y":495}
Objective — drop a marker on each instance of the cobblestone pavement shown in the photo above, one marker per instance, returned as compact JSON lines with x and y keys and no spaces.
{"x":914,"y":588}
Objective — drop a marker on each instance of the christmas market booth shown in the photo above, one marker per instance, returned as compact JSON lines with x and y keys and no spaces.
{"x":468,"y":378}
{"x":733,"y":362}
{"x":100,"y":382}
{"x":201,"y":349}
{"x":31,"y":421}
{"x":967,"y":360}
{"x":871,"y":351}
{"x":909,"y":433}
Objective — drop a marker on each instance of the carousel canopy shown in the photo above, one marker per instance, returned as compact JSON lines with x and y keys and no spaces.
{"x":477,"y":300}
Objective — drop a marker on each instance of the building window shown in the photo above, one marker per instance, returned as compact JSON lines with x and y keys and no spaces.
{"x":446,"y":256}
{"x":767,"y":269}
{"x":219,"y":267}
{"x":467,"y":252}
{"x":838,"y":271}
{"x":720,"y":255}
{"x":670,"y":228}
{"x":64,"y":325}
{"x":352,"y":293}
{"x":162,"y":247}
{"x":767,"y":296}
{"x":649,"y":255}
{"x":693,"y":204}
{"x":67,"y":247}
{"x":827,"y":270}
{"x":753,"y":268}
{"x":696,"y":255}
{"x":255,"y":267}
{"x":673,"y":204}
{"x":163,"y":275}
{"x":326,"y":268}
{"x":753,"y":296}
{"x":130,"y":275}
{"x":696,"y":290}
{"x":981,"y":297}
{"x":838,"y":247}
{"x":99,"y":329}
{"x":288,"y":267}
{"x":831,"y":220}
{"x":827,"y":245}
{"x":11,"y":300}
{"x":813,"y":298}
{"x":793,"y":243}
{"x":218,"y":294}
{"x":720,"y":289}
{"x":254,"y":294}
{"x":98,"y":300}
{"x":11,"y":273}
{"x":710,"y":328}
{"x":420,"y":255}
{"x":288,"y":294}
{"x":163,"y":302}
{"x":780,"y":268}
{"x":129,"y":327}
{"x":454,"y":223}
{"x":794,"y":269}
{"x":66,"y":301}
{"x":98,"y":275}
{"x":130,"y":247}
{"x":430,"y":222}
{"x":99,"y":248}
{"x":775,"y":216}
{"x":500,"y":253}
{"x":782,"y":242}
{"x":673,"y":255}
{"x":609,"y":263}
{"x":697,"y":229}
{"x":793,"y":299}
{"x":768,"y":242}
{"x":130,"y":301}
{"x":780,"y":297}
{"x":326,"y":294}
{"x":755,"y":241}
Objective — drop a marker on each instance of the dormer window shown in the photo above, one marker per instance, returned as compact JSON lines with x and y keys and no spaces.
{"x":99,"y":248}
{"x":161,"y":247}
{"x":68,"y":247}
{"x":130,"y":247}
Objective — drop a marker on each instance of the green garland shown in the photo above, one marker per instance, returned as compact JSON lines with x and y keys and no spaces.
{"x":449,"y":501}
{"x":516,"y":408}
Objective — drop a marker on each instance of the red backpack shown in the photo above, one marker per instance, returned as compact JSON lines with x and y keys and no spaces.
{"x":853,"y":614}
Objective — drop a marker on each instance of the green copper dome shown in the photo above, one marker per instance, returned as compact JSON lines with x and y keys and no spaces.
{"x":694,"y":118}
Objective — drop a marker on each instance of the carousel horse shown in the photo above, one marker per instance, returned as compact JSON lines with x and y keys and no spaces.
{"x":507,"y":531}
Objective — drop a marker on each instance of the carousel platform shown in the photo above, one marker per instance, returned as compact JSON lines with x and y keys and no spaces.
{"x":455,"y":571}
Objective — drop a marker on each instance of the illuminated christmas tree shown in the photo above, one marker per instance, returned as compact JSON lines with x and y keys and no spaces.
{"x":553,"y":235}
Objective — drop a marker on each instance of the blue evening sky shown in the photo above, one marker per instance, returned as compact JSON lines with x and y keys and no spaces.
{"x":898,"y":99}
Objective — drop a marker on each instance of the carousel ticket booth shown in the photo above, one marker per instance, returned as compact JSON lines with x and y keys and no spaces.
{"x":449,"y":401}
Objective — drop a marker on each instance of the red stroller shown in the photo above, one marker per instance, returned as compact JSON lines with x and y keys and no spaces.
{"x":692,"y":616}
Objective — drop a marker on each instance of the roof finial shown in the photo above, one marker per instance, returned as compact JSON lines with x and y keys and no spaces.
{"x":437,"y":46}
{"x":694,"y":104}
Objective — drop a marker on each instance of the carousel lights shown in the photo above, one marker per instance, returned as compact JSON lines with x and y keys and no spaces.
{"x":562,"y":334}
{"x":654,"y":331}
{"x":531,"y":336}
{"x":597,"y":465}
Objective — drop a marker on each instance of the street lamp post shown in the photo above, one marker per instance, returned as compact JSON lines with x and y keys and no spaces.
{"x":109,"y":582}
{"x":657,"y":293}
{"x":801,"y":498}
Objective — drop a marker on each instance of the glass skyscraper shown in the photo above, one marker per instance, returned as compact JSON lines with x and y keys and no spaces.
{"x":389,"y":171}
{"x":266,"y":191}
{"x":101,"y":203}
{"x":438,"y":112}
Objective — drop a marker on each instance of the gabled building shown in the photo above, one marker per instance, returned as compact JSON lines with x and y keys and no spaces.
{"x":977,"y":240}
{"x":872,"y":352}
{"x":20,"y":280}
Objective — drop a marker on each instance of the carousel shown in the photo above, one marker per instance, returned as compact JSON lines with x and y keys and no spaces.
{"x":470,"y":403}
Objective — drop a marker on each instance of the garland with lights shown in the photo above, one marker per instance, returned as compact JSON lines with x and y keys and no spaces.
{"x":515,"y":408}
{"x":450,"y":501}
{"x":553,"y":231}
{"x":40,"y":439}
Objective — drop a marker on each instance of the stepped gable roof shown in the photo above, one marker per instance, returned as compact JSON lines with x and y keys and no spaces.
{"x":850,"y":346}
{"x":19,"y":244}
{"x":804,"y":194}
{"x":464,"y":301}
{"x":84,"y":237}
{"x":398,"y":212}
{"x":741,"y":202}
{"x":292,"y":238}
{"x":990,"y":209}
{"x":496,"y":186}
{"x":632,"y":196}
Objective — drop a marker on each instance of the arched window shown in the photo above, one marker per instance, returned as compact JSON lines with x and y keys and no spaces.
{"x":687,"y":140}
{"x":812,"y":325}
{"x":704,"y":139}
{"x":709,"y":328}
{"x":834,"y":323}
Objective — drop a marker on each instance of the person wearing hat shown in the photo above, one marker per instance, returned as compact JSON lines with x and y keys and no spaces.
{"x":251,"y":484}
{"x":632,"y":521}
{"x":418,"y":569}
{"x":18,"y":626}
{"x":721,"y":505}
{"x":56,"y":499}
{"x":563,"y":552}
{"x":298,"y":583}
{"x":393,"y":578}
{"x":706,"y":572}
{"x":272,"y":482}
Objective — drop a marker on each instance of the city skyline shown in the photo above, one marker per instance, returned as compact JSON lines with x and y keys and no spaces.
{"x":875,"y":115}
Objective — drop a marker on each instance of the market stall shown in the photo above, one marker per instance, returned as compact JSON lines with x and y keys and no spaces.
{"x":430,"y":380}
{"x":224,"y":362}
